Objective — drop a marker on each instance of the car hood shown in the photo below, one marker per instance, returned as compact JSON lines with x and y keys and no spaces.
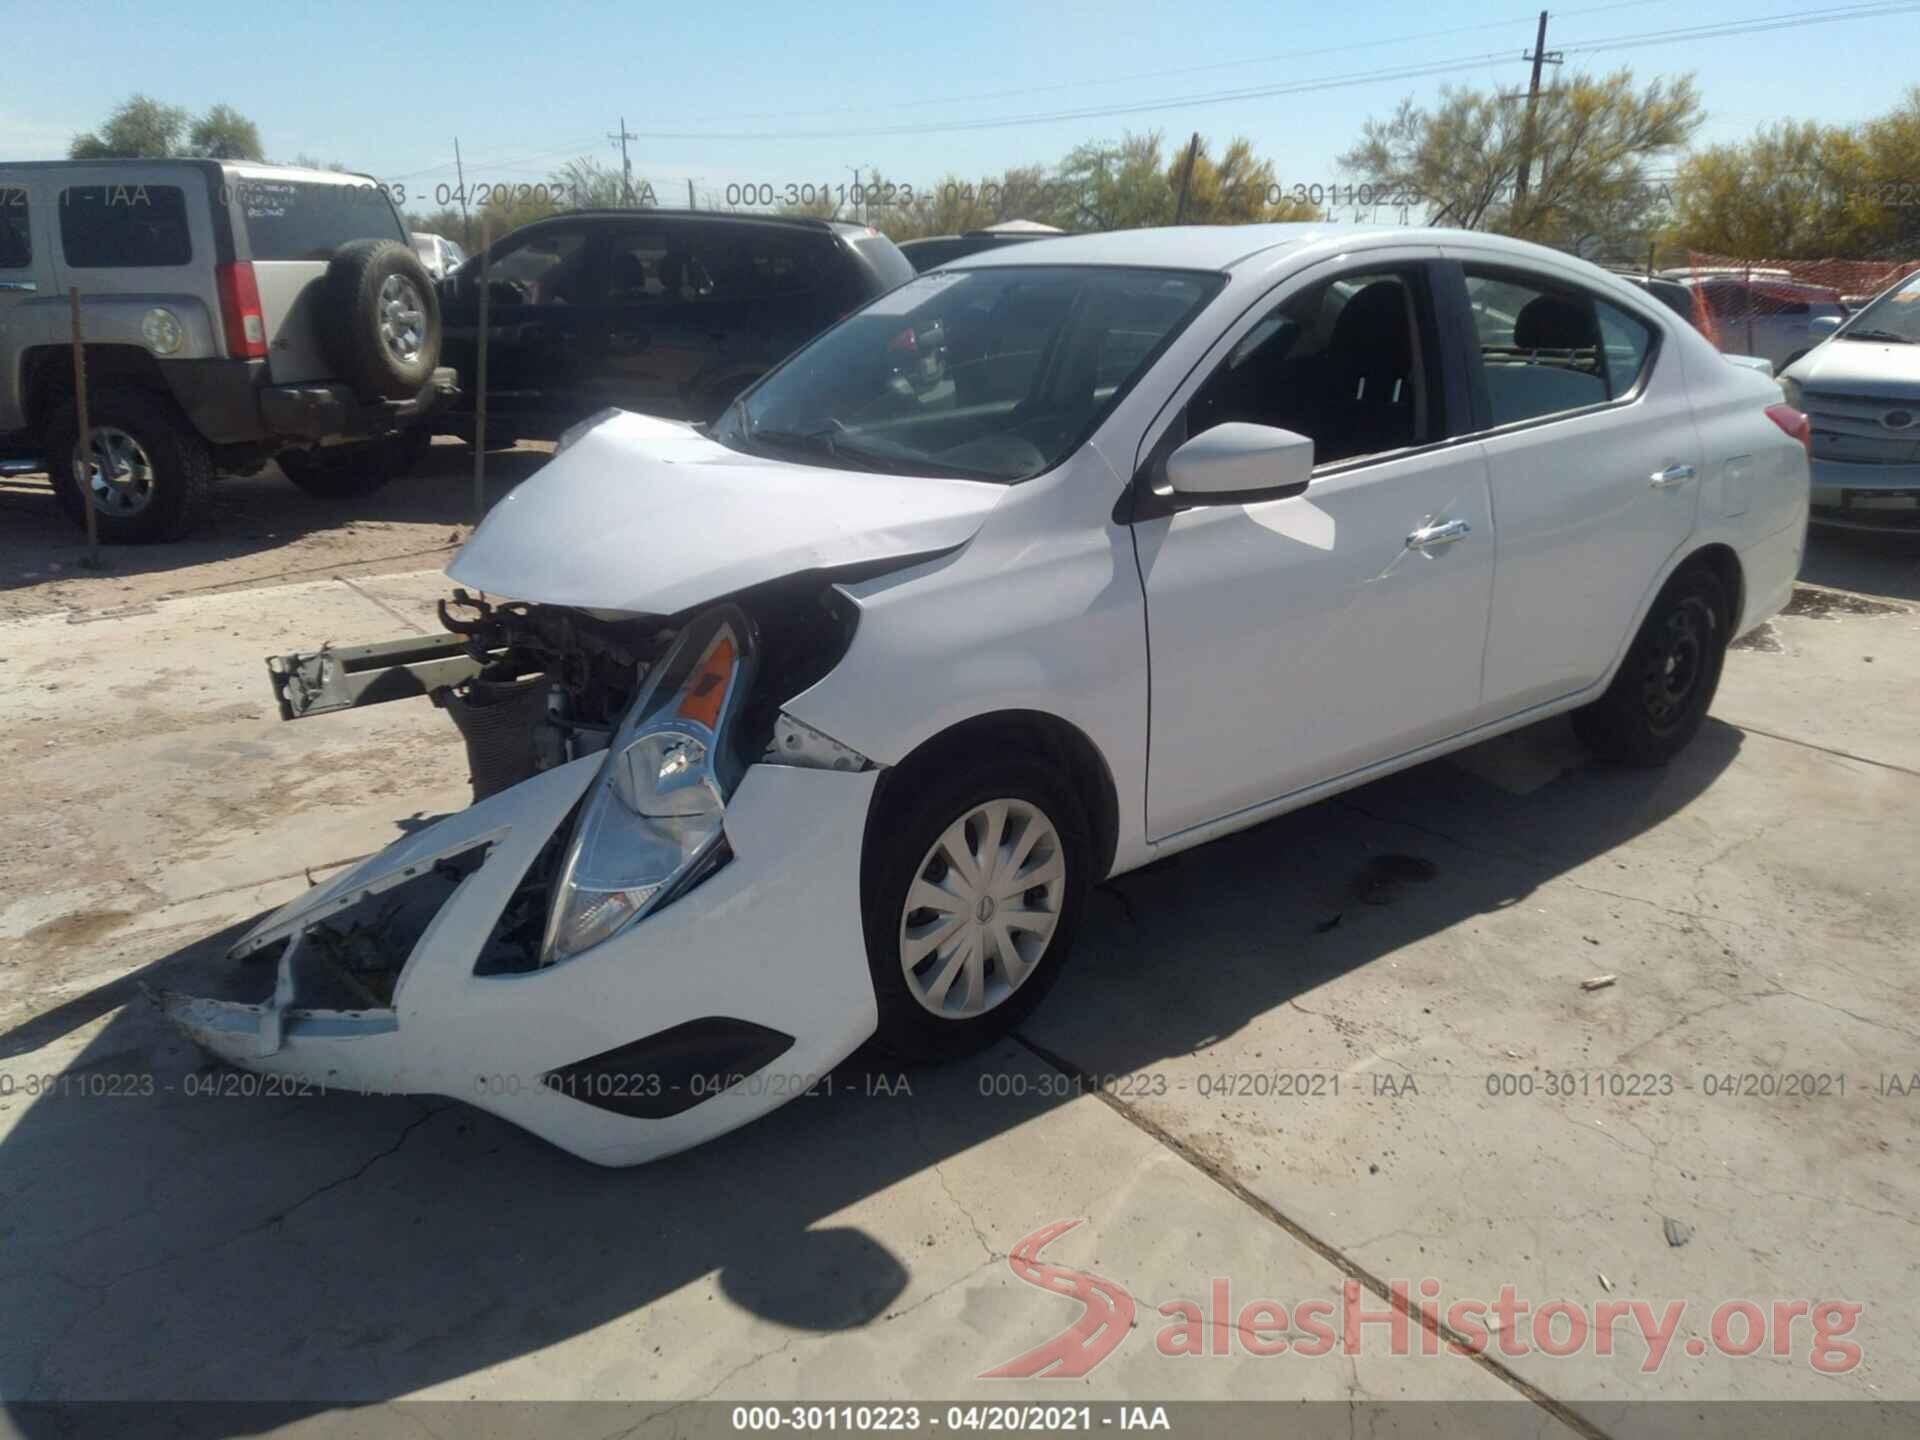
{"x":649,"y":517}
{"x":1862,"y":367}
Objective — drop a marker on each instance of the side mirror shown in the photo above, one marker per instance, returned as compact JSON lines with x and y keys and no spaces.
{"x":1824,"y":325}
{"x":1235,"y":464}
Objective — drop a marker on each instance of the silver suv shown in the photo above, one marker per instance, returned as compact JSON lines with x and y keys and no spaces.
{"x":233,"y":313}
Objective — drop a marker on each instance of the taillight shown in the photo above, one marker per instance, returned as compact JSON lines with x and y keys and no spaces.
{"x":1795,"y":423}
{"x":240,"y":310}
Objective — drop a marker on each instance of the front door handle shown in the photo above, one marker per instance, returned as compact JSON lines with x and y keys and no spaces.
{"x":1671,"y":476}
{"x":1440,"y":532}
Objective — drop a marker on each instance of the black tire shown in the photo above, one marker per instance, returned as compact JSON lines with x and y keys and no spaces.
{"x":911,"y":818}
{"x":379,"y":363}
{"x":1659,"y":698}
{"x":350,"y":472}
{"x":179,"y":494}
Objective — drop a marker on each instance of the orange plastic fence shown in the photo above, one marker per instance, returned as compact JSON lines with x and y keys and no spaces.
{"x":1763,"y":288}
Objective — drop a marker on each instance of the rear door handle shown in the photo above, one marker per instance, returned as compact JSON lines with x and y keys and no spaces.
{"x":1440,"y":532}
{"x":1673,"y":475}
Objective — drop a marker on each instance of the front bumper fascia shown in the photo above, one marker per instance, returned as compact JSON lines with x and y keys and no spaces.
{"x":772,"y":939}
{"x":1865,"y":489}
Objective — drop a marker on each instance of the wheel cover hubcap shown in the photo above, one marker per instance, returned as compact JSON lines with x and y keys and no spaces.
{"x":982,"y":908}
{"x":403,"y":319}
{"x":119,"y":480}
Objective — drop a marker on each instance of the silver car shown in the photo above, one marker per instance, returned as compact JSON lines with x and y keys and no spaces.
{"x":1862,"y":391}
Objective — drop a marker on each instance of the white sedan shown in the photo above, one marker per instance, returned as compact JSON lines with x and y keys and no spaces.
{"x":814,"y":727}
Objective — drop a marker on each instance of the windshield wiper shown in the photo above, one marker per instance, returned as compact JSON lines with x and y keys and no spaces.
{"x":1886,"y":335}
{"x":824,"y":441}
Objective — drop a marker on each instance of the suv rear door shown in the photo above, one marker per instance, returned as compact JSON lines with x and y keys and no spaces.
{"x":289,"y":226}
{"x":698,"y":310}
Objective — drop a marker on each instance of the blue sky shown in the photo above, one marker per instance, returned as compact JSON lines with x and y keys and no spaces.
{"x":385,"y":87}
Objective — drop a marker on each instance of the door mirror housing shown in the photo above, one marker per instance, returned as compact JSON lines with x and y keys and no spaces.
{"x":1235,"y":464}
{"x":1823,"y":325}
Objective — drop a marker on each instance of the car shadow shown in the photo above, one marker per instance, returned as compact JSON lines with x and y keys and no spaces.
{"x":253,"y":514}
{"x":343,"y":1250}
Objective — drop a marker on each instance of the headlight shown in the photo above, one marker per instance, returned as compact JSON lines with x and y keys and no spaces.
{"x":580,"y":427}
{"x":1794,"y":392}
{"x":651,"y":826}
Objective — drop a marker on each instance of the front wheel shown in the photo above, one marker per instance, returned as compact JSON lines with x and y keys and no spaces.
{"x":1658,"y":700}
{"x":973,"y":886}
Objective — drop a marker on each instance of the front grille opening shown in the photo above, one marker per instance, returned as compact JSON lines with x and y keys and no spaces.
{"x":352,"y":959}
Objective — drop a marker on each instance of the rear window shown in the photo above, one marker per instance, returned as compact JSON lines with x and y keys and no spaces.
{"x":306,"y":220}
{"x":124,"y":226}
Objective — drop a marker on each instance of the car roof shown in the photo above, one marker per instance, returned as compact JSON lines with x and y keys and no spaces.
{"x":1225,"y":247}
{"x":1183,"y":247}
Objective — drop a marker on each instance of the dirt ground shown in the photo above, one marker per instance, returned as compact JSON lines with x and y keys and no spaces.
{"x":1422,"y":941}
{"x":264,"y":531}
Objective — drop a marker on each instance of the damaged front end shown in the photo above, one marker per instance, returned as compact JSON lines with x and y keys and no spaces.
{"x":529,"y":954}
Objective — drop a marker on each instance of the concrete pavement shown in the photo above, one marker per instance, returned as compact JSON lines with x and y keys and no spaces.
{"x":1350,"y":1047}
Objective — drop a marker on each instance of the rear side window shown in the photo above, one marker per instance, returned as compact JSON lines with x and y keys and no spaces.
{"x":16,"y":239}
{"x":306,"y":220}
{"x":1540,"y":347}
{"x":124,"y":227}
{"x":1628,"y":342}
{"x":766,"y":264}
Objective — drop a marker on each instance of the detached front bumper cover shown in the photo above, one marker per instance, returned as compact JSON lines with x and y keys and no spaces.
{"x":764,"y":965}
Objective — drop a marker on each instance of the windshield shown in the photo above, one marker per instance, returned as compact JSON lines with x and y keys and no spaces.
{"x":989,"y":374}
{"x":1894,"y":316}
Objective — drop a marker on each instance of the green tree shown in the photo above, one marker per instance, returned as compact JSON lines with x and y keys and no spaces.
{"x":1587,"y":150}
{"x":1801,"y":190}
{"x":141,"y":128}
{"x":223,"y":133}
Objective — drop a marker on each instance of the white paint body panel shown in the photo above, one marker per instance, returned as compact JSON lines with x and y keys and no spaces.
{"x":774,"y":937}
{"x":649,"y":517}
{"x":1298,"y":647}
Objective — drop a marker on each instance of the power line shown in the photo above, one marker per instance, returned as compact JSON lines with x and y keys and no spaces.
{"x":1290,"y":56}
{"x":1374,"y":76}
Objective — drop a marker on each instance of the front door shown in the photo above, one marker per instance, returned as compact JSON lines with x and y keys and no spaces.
{"x":1292,"y":641}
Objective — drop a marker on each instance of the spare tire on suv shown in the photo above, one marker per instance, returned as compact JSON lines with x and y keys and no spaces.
{"x":380,"y":320}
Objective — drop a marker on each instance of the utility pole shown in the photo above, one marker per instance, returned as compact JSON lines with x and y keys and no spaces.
{"x":690,"y":204}
{"x":460,"y":173}
{"x":855,"y":193}
{"x":1186,"y":179}
{"x":626,"y":166}
{"x":1540,"y":56}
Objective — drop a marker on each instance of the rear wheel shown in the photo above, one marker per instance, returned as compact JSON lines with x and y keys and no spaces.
{"x":974,"y":884}
{"x":351,"y":472}
{"x":1658,"y":700}
{"x":149,"y":476}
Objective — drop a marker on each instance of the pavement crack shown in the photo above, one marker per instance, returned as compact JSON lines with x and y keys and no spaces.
{"x":1326,"y":1250}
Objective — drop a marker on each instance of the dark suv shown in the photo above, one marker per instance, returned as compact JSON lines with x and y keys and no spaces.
{"x":665,"y":312}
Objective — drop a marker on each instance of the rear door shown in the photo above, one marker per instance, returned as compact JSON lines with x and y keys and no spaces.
{"x":695,"y":312}
{"x":1593,"y":458}
{"x":289,"y":228}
